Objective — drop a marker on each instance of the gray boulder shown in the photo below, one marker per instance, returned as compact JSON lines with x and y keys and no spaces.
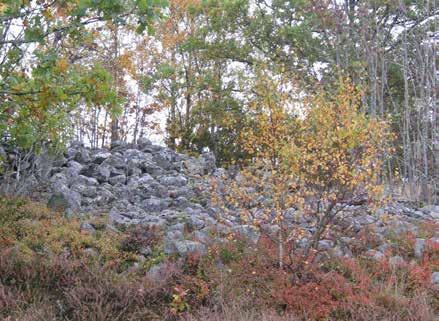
{"x":248,"y":231}
{"x":87,"y":181}
{"x":100,"y":157}
{"x":88,"y":191}
{"x":58,"y":181}
{"x":115,"y":161}
{"x":118,"y":145}
{"x":118,"y":179}
{"x":419,"y":248}
{"x":143,"y":142}
{"x":167,"y":159}
{"x":102,"y":173}
{"x":185,"y":247}
{"x":396,"y":261}
{"x":376,"y":255}
{"x":82,"y":155}
{"x":155,"y":204}
{"x":179,"y":180}
{"x":325,"y":245}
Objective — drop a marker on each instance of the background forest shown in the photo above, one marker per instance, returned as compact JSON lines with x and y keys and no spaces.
{"x":98,"y":71}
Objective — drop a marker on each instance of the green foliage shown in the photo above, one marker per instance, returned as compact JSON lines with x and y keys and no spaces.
{"x":39,"y":84}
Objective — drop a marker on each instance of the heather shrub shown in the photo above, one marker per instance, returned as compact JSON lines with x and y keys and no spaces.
{"x":80,"y":276}
{"x":335,"y":289}
{"x":52,"y":270}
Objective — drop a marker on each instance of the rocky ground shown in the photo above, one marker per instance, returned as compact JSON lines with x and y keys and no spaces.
{"x":152,"y":185}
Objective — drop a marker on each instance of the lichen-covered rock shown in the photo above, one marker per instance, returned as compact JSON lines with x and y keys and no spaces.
{"x":178,"y":180}
{"x":374,"y":254}
{"x":396,"y":261}
{"x":100,"y":157}
{"x":419,"y":248}
{"x":82,"y":155}
{"x":152,"y":185}
{"x":248,"y":231}
{"x":117,"y":179}
{"x":185,"y":247}
{"x":155,"y":204}
{"x":325,"y":245}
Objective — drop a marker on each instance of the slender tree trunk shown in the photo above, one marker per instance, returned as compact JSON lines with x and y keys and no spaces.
{"x":115,"y":135}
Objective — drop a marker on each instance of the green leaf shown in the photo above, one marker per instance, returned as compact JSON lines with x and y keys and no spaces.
{"x":34,"y":35}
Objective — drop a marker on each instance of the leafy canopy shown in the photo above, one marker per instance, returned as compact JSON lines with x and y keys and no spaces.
{"x":40,"y":83}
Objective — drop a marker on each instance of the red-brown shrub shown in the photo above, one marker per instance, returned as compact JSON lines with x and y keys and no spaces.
{"x":49,"y":270}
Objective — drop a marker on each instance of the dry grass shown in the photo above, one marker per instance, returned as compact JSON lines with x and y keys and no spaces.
{"x":236,"y":313}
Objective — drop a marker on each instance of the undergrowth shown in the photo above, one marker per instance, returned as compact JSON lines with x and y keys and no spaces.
{"x":52,"y":269}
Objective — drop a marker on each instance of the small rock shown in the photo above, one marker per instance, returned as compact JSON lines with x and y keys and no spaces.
{"x":146,"y":180}
{"x":419,"y":248}
{"x":87,"y":181}
{"x":209,"y":162}
{"x":91,"y":252}
{"x":383,"y":248}
{"x":366,"y":220}
{"x":143,"y":142}
{"x":115,"y":161}
{"x":374,"y":254}
{"x":396,"y":260}
{"x":87,"y":227}
{"x":181,"y":202}
{"x":3,"y":154}
{"x":118,"y":179}
{"x":186,"y":247}
{"x":173,"y":180}
{"x":195,"y":223}
{"x":100,"y":157}
{"x":174,"y":235}
{"x":82,"y":156}
{"x":88,"y":191}
{"x":155,"y":204}
{"x":337,"y":252}
{"x":152,"y":168}
{"x":380,"y":212}
{"x":430,"y":208}
{"x":248,"y":231}
{"x":145,"y":251}
{"x":102,"y":173}
{"x":201,"y":236}
{"x":325,"y":245}
{"x":117,"y":218}
{"x":165,"y":158}
{"x":74,"y":168}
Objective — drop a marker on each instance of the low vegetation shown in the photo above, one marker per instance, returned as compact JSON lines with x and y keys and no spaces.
{"x":54,"y":268}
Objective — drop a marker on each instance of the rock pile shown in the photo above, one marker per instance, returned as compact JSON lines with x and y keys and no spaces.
{"x":135,"y":184}
{"x":151,"y":185}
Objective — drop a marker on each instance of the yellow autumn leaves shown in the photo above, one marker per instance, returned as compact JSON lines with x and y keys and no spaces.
{"x":331,"y":155}
{"x":3,"y":7}
{"x":341,"y":148}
